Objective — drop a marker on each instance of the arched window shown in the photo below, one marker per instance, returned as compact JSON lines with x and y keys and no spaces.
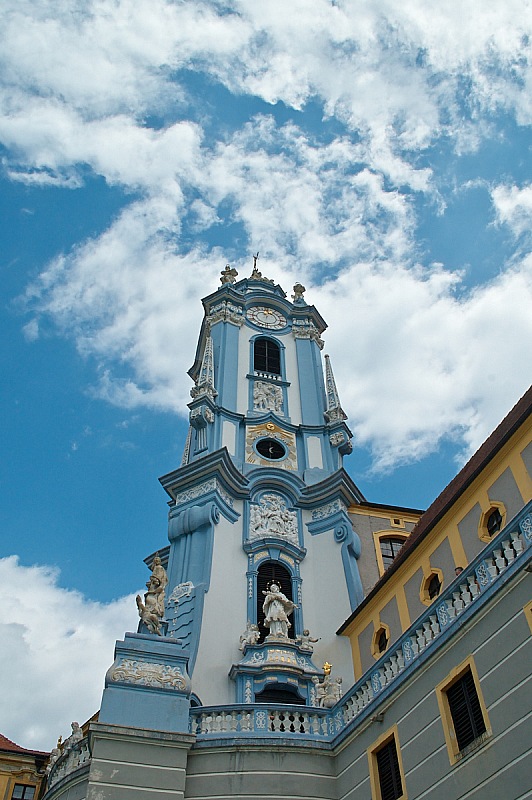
{"x":492,"y":521}
{"x":271,"y":572}
{"x":267,"y":356}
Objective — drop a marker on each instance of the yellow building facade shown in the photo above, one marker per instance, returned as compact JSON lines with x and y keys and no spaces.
{"x":21,"y":771}
{"x":493,"y":486}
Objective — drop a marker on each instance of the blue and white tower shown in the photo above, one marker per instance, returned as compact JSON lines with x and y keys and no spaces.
{"x":261,"y":498}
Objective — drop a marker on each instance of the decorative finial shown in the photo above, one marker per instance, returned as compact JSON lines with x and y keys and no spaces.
{"x":334,"y":411}
{"x":228,"y":275}
{"x":205,"y":384}
{"x":327,"y":668}
{"x":256,"y":275}
{"x":297,"y":297}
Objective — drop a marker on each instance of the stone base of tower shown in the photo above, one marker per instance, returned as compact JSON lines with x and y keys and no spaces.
{"x":131,"y":762}
{"x":147,"y":686}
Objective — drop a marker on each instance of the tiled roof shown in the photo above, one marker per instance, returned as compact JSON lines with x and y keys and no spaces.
{"x":519,"y":413}
{"x":9,"y":746}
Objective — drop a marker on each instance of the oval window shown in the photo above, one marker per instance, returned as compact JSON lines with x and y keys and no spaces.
{"x":271,"y":448}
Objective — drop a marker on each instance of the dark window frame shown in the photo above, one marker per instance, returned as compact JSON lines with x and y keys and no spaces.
{"x":267,"y":356}
{"x":389,"y":771}
{"x":24,"y":795}
{"x":396,"y":543}
{"x":465,"y":710}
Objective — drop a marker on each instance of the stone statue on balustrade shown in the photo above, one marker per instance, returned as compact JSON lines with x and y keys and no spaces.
{"x":329,"y":690}
{"x":151,"y":611}
{"x":250,"y":636}
{"x":55,"y":755}
{"x":276,"y":608}
{"x":75,"y":737}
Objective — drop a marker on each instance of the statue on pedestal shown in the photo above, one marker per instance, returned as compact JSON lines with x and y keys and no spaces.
{"x":151,"y":611}
{"x":276,"y":608}
{"x":250,"y":636}
{"x":328,"y":691}
{"x":304,"y":641}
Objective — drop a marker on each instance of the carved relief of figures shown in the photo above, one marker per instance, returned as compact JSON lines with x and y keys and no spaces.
{"x":151,"y":611}
{"x":272,"y":518}
{"x":250,"y":636}
{"x":276,"y":609}
{"x":267,"y":397}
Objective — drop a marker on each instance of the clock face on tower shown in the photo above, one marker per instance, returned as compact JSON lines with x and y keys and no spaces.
{"x":266,"y":318}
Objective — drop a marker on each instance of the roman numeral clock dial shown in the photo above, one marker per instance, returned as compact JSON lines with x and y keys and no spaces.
{"x":266,"y":318}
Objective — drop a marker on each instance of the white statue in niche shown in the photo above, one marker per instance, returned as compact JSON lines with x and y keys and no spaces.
{"x":151,"y":611}
{"x":267,"y":397}
{"x":272,"y":518}
{"x":276,"y":608}
{"x":250,"y":636}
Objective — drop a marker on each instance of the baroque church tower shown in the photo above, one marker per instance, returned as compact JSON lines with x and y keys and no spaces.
{"x":235,"y":684}
{"x":261,"y":498}
{"x":262,"y":560}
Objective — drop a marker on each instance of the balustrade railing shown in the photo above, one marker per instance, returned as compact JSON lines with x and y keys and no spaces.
{"x":262,"y":720}
{"x":76,"y":756}
{"x":320,"y":724}
{"x":466,"y":588}
{"x":452,"y":604}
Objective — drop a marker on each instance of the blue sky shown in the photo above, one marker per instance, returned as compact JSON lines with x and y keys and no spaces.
{"x":378,"y":154}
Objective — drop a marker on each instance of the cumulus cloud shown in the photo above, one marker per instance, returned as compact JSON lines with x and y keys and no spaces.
{"x":513,"y":206}
{"x":419,"y":364}
{"x":57,"y":646}
{"x":104,"y":88}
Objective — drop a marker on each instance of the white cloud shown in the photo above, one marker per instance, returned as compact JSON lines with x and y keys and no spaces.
{"x":57,"y":646}
{"x":513,"y":206}
{"x":422,"y":364}
{"x":395,"y":74}
{"x":79,"y":85}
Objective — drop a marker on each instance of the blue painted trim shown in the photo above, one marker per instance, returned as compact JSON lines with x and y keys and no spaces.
{"x":191,"y":534}
{"x":226,"y":340}
{"x":311,"y":383}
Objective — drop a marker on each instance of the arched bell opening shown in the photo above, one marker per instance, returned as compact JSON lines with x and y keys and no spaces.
{"x":280,"y":694}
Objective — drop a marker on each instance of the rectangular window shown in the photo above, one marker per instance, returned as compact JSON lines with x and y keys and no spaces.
{"x":386,"y":769}
{"x":465,"y":709}
{"x":389,"y":774}
{"x":464,"y":715}
{"x":23,"y":792}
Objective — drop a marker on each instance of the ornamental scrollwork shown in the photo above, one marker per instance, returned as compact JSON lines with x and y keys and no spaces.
{"x":328,"y":510}
{"x":146,"y":673}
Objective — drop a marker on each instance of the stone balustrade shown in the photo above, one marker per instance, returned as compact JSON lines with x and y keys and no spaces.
{"x":311,"y":724}
{"x":260,"y":720}
{"x":75,"y":756}
{"x":316,"y":723}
